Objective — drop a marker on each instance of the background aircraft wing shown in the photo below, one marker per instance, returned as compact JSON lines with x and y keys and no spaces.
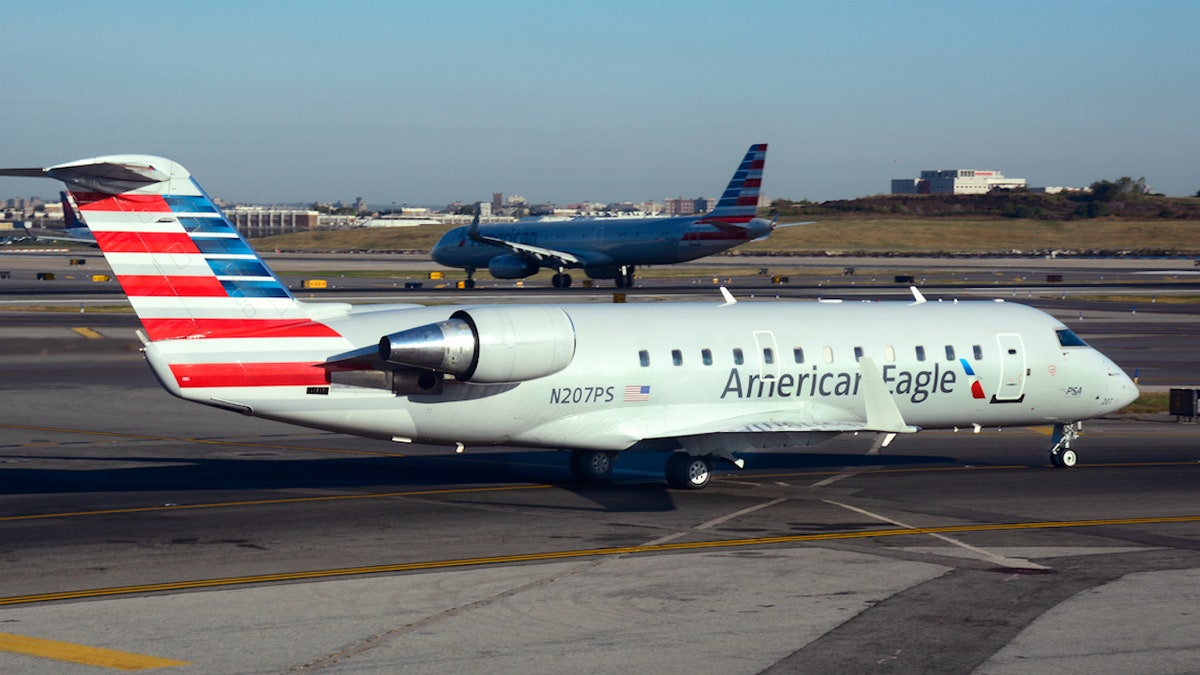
{"x":542,"y":255}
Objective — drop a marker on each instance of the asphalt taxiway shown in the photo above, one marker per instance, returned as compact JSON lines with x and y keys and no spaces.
{"x":140,"y":531}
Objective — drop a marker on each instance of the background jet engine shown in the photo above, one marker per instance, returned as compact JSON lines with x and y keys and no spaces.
{"x":511,"y":266}
{"x":487,"y":344}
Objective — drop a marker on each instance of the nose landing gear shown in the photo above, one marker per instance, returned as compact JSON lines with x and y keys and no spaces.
{"x":1061,"y":454}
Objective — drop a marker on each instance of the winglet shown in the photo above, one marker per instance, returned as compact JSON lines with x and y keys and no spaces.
{"x":918,"y":298}
{"x":729,"y":299}
{"x":882,"y":413}
{"x":473,"y":230}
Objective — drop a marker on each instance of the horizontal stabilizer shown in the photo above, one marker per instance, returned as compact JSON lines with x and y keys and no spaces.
{"x":112,"y":175}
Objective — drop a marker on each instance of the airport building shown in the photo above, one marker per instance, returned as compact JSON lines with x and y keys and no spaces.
{"x":681,"y":206}
{"x":255,"y":221}
{"x":955,"y":182}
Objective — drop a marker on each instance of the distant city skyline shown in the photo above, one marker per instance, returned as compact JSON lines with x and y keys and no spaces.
{"x":434,"y":103}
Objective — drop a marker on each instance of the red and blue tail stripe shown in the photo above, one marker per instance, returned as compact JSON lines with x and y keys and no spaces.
{"x":215,"y":316}
{"x":739,"y":203}
{"x":186,"y":269}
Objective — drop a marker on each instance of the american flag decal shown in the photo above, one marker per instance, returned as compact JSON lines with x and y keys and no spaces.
{"x":637,"y":392}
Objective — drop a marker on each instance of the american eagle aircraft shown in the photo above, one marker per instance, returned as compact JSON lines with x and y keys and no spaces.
{"x":611,"y":248}
{"x":702,"y":380}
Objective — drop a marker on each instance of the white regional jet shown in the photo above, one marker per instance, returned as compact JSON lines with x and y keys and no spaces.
{"x":611,"y":248}
{"x":704,"y":380}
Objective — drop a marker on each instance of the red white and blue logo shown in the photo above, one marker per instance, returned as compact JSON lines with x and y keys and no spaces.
{"x":976,"y":385}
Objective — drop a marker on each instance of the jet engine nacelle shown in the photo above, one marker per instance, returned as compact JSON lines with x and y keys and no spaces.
{"x":488,"y":344}
{"x":511,"y":266}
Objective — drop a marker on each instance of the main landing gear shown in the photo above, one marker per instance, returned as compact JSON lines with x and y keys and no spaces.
{"x":689,"y":472}
{"x":683,"y":471}
{"x":561,"y":280}
{"x":1061,"y":454}
{"x":592,"y":466}
{"x":625,"y":277}
{"x":470,"y":282}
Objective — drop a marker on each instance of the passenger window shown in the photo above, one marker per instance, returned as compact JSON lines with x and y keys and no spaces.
{"x":827,"y":353}
{"x":768,"y":355}
{"x":706,"y":356}
{"x":858,"y":354}
{"x":920,"y":353}
{"x":889,"y":354}
{"x":978,"y":352}
{"x":949,"y":352}
{"x":644,"y":358}
{"x":676,"y":357}
{"x":798,"y":355}
{"x":738,"y":359}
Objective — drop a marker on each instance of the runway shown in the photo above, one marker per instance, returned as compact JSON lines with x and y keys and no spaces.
{"x":137,"y":530}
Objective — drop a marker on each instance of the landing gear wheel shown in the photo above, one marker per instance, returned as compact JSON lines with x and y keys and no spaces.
{"x":592,"y":466}
{"x":688,"y":472}
{"x":1064,"y":459}
{"x":561,"y":280}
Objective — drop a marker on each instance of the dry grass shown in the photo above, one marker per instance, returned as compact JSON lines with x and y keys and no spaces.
{"x":847,"y":234}
{"x":980,"y":235}
{"x":1148,"y":402}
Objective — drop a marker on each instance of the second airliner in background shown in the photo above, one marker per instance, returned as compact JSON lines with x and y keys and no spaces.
{"x":611,"y":248}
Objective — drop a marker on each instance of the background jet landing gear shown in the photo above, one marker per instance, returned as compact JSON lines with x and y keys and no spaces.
{"x":689,"y":472}
{"x":624,"y":277}
{"x":1061,"y":454}
{"x":592,"y":466}
{"x":470,"y":282}
{"x":561,"y":280}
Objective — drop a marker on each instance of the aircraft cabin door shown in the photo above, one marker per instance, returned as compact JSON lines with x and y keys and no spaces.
{"x":1012,"y":368}
{"x":768,"y":354}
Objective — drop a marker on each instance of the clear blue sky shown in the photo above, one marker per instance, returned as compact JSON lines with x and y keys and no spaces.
{"x":431,"y":102}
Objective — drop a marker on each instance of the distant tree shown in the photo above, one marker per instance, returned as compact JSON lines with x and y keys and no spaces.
{"x":1197,"y":193}
{"x":1123,"y":189}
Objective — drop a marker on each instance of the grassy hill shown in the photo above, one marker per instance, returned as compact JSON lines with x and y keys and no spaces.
{"x":1118,"y":220}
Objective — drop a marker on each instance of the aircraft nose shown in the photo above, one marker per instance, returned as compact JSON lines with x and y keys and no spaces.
{"x":1119,"y":387}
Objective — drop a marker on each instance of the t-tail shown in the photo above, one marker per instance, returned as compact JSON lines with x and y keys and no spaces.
{"x":187,"y":271}
{"x":739,"y":204}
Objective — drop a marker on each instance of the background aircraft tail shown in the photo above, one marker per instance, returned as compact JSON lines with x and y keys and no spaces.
{"x":187,"y":271}
{"x":739,"y":203}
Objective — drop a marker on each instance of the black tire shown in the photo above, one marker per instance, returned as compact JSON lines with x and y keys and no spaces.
{"x":688,"y":472}
{"x":592,"y":466}
{"x":1064,"y":459}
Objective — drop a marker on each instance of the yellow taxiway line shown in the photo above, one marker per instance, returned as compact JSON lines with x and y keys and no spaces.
{"x":88,"y":333}
{"x":88,"y":656}
{"x":579,"y":553}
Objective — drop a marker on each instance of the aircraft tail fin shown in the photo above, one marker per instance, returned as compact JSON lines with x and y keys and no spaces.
{"x":71,"y":219}
{"x":186,"y":269}
{"x":739,"y":203}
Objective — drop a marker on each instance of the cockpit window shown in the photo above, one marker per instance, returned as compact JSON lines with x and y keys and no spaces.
{"x":1068,"y":338}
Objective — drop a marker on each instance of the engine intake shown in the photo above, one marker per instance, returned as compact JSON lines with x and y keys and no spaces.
{"x":488,"y":344}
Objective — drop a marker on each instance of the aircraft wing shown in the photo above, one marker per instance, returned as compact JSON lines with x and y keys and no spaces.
{"x":538,"y":253}
{"x":712,"y":422}
{"x":546,"y":257}
{"x":75,"y":234}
